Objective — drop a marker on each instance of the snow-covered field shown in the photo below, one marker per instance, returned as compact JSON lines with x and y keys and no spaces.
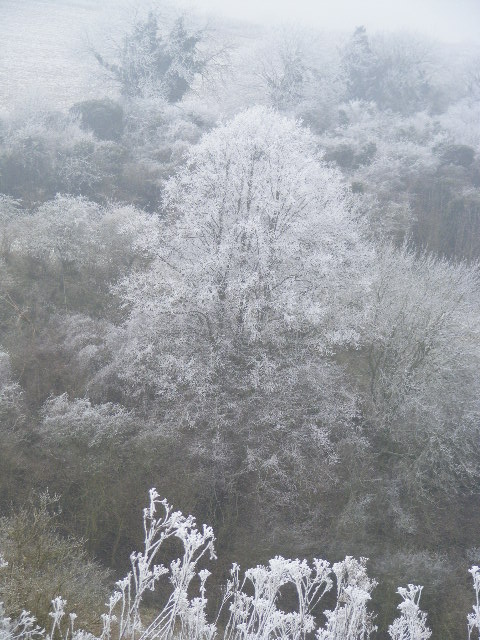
{"x":44,"y":50}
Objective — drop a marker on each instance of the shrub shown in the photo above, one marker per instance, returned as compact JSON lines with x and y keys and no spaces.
{"x":41,"y":563}
{"x":103,"y":117}
{"x":459,"y":154}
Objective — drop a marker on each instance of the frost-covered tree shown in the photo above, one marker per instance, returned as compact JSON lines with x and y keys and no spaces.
{"x":73,"y":231}
{"x":79,"y":242}
{"x":400,"y":72}
{"x":262,"y":242}
{"x":283,"y":68}
{"x":151,"y":62}
{"x":44,"y":152}
{"x":300,"y":73}
{"x":12,"y":403}
{"x":359,"y":65}
{"x":407,"y":78}
{"x":67,"y":423}
{"x":258,"y":272}
{"x":422,"y":355}
{"x":10,"y":211}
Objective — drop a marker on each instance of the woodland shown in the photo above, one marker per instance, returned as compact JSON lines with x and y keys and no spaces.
{"x":247,"y":275}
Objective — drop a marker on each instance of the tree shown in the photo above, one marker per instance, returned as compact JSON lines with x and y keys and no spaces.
{"x":47,"y":152}
{"x":399,"y":72}
{"x":360,"y":66}
{"x":262,"y":239}
{"x":228,"y":328}
{"x":284,"y":72}
{"x":103,"y":117}
{"x":299,"y":73}
{"x":150,"y":62}
{"x":407,"y":78}
{"x":12,"y":407}
{"x":421,"y":389}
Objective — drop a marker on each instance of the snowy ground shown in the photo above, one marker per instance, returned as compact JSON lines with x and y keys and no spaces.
{"x":44,"y":50}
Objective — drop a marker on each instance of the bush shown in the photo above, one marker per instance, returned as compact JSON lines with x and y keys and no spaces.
{"x":103,"y":117}
{"x":459,"y":154}
{"x":42,"y":563}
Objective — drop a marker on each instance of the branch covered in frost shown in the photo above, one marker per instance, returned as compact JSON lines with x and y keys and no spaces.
{"x":350,"y":620}
{"x":258,"y":616}
{"x":412,"y":622}
{"x":474,"y":618}
{"x":145,"y":573}
{"x":23,"y":628}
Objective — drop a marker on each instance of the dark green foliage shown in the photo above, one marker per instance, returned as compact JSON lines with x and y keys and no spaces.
{"x":448,"y":223}
{"x":349,"y":158}
{"x":343,"y":155}
{"x":458,"y":154}
{"x":103,"y":117}
{"x":358,"y":187}
{"x":154,"y":64}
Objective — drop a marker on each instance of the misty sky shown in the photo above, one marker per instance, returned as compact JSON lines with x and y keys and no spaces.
{"x":450,"y":20}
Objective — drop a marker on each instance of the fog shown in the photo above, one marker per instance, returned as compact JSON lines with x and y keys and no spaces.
{"x":39,"y":39}
{"x":448,"y":20}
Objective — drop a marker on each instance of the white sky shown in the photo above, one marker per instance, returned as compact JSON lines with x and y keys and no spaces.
{"x":449,"y":20}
